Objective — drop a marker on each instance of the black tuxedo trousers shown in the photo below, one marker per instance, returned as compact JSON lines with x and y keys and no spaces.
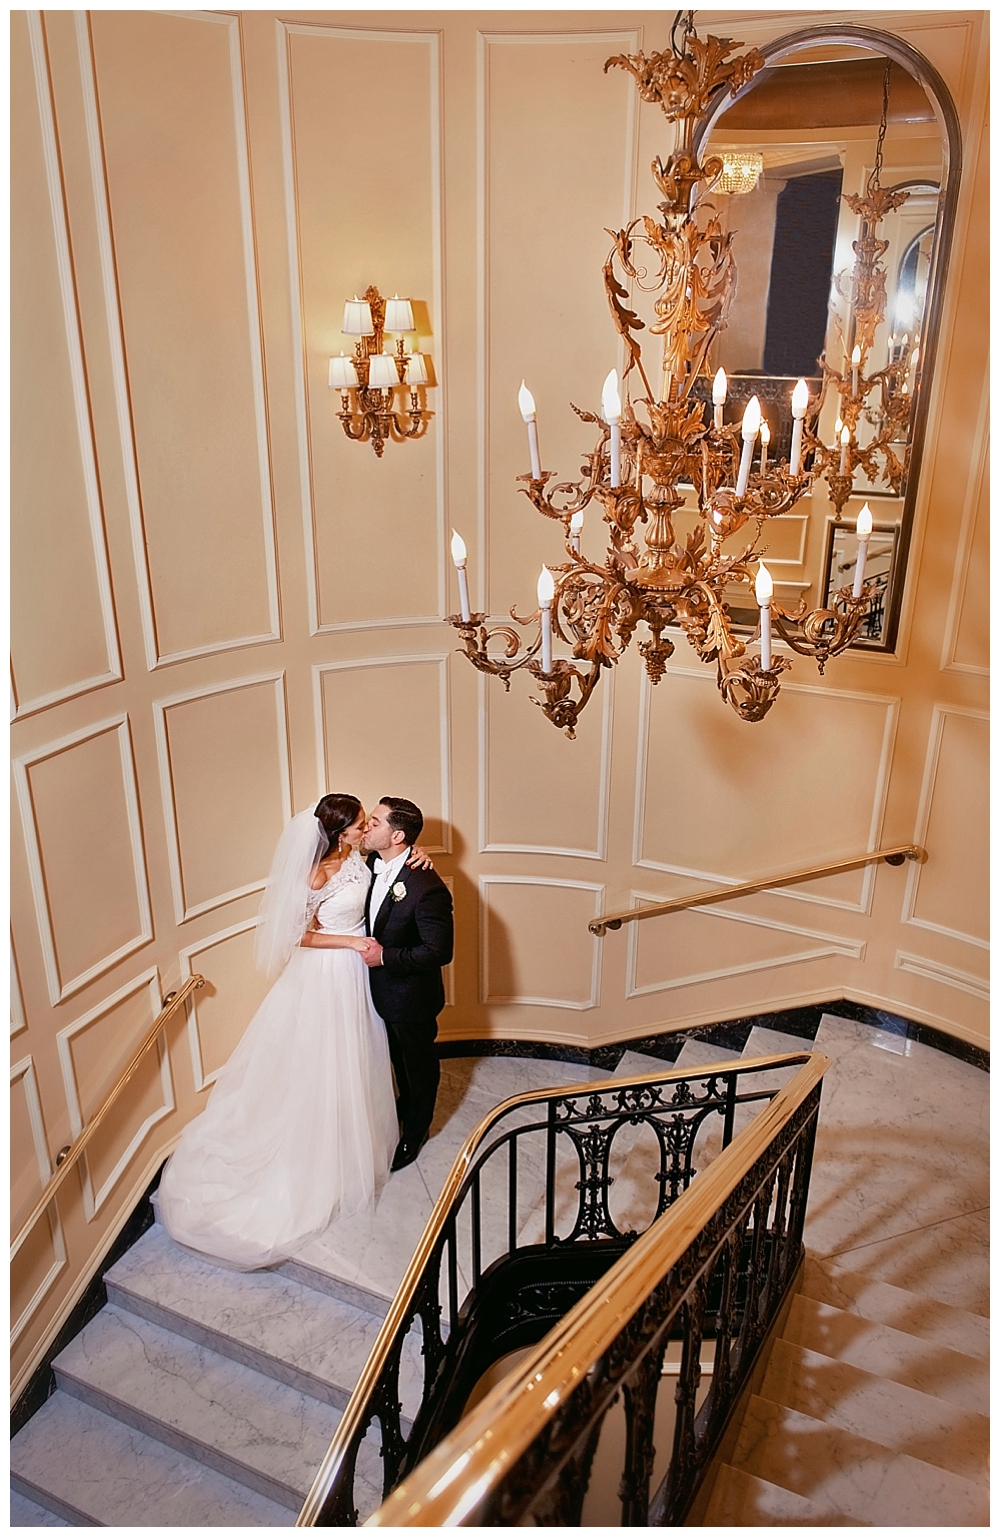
{"x":416,"y":930}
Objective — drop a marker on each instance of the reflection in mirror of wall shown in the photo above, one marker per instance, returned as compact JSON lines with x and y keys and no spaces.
{"x":837,"y":245}
{"x":834,"y":160}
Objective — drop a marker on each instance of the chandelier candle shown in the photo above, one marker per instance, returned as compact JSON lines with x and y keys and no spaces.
{"x":575,"y":530}
{"x":526,"y":405}
{"x":863,"y":529}
{"x":458,"y":555}
{"x":800,"y":404}
{"x":855,"y":365}
{"x":845,"y":440}
{"x":763,"y":590}
{"x":765,"y":438}
{"x":613,"y":416}
{"x":546,"y":592}
{"x":720,"y":388}
{"x":750,"y":429}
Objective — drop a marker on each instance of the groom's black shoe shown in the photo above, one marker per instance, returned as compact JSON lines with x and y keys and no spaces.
{"x":406,"y":1153}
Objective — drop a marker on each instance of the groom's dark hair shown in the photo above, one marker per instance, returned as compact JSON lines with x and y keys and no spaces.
{"x":404,"y":816}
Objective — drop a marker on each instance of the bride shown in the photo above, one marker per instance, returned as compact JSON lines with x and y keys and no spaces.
{"x":301,"y":1124}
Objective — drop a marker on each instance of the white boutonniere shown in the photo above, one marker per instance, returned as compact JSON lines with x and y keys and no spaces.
{"x":398,"y":892}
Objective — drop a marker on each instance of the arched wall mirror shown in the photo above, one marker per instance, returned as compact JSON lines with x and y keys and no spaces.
{"x":840,"y":121}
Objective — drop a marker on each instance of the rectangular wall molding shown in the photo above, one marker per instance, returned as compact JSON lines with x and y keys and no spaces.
{"x":24,"y":1073}
{"x":937,"y":971}
{"x":935,"y":739}
{"x":487,"y":996}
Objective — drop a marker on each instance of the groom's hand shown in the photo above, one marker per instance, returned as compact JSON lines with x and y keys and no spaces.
{"x":373,"y":955}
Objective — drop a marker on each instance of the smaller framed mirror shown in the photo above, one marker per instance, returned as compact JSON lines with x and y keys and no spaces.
{"x":841,"y":562}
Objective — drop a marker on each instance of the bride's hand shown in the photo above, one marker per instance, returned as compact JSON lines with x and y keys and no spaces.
{"x":361,"y":943}
{"x":420,"y":859}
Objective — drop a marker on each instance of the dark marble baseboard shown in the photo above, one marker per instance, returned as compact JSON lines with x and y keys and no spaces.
{"x":731,"y":1033}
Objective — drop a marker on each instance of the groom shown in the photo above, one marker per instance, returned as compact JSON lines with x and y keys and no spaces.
{"x":409,"y":916}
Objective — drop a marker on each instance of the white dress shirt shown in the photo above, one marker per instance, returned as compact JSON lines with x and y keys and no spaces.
{"x":385,"y":878}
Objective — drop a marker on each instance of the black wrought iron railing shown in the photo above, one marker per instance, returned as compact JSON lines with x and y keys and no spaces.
{"x":550,"y":1192}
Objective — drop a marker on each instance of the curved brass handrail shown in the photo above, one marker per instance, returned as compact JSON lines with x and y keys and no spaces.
{"x":450,"y":1482}
{"x":401,"y":1304}
{"x":69,"y":1156}
{"x":893,"y":856}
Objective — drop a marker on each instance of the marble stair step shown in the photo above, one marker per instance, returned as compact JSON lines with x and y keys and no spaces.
{"x":852,"y":1292}
{"x":24,"y":1512}
{"x":230,"y":1417}
{"x":918,"y":1363}
{"x":896,"y":1416}
{"x":740,"y":1499}
{"x":262,"y":1319}
{"x":851,"y":1474}
{"x":94,"y":1471}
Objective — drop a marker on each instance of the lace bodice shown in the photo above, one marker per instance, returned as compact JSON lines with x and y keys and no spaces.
{"x":339,"y":906}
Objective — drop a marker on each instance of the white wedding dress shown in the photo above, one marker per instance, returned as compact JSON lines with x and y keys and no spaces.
{"x":301,"y":1123}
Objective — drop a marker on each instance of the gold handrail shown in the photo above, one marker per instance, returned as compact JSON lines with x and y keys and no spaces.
{"x":893,"y":856}
{"x":400,"y":1305}
{"x":452,"y":1480}
{"x":68,"y":1157}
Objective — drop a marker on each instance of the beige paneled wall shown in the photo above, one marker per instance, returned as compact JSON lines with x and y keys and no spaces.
{"x":223,"y":608}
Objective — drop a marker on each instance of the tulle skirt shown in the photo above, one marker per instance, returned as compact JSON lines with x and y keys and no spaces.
{"x":301,"y":1124}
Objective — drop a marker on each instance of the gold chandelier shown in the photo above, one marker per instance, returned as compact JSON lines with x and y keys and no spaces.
{"x":652,"y":441}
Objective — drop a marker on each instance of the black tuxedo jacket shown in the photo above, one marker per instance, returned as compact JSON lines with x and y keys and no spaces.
{"x":417,"y":935}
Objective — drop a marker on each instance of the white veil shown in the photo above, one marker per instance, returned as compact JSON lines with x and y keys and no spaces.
{"x":283,"y":914}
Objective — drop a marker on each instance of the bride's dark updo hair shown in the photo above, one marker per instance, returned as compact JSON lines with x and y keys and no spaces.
{"x":334,"y":813}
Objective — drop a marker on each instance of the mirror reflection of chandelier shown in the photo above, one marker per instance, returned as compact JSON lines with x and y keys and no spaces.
{"x":656,"y":454}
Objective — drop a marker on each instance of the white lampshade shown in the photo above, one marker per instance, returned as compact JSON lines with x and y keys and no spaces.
{"x":398,"y":314}
{"x":610,"y":398}
{"x":357,"y":318}
{"x":720,"y":387}
{"x":459,"y":553}
{"x":546,"y":587}
{"x":343,"y":374}
{"x":863,"y":526}
{"x":526,"y":402}
{"x":763,"y":586}
{"x":416,"y":368}
{"x":382,"y":371}
{"x":751,"y":418}
{"x":800,"y":398}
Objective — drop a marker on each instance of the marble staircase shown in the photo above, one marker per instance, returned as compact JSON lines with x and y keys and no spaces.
{"x":200,"y":1396}
{"x":873,"y":1412}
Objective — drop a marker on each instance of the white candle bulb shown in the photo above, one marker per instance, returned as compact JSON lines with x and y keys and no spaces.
{"x":855,"y":365}
{"x":526,"y":405}
{"x":546,"y":592}
{"x":845,"y":438}
{"x":800,"y":404}
{"x":765,"y":438}
{"x":750,"y":429}
{"x":863,"y":529}
{"x":763,"y":590}
{"x":458,"y":555}
{"x":575,"y":530}
{"x":720,"y":389}
{"x":613,"y":416}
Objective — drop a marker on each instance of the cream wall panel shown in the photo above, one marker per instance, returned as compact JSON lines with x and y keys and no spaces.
{"x":950,"y":894}
{"x":223,"y":753}
{"x":540,"y":792}
{"x":680,"y":951}
{"x":183,"y":309}
{"x":361,"y":120}
{"x":63,"y":636}
{"x":557,"y":161}
{"x":741,"y":800}
{"x":91,"y":1051}
{"x":39,"y":1263}
{"x":80,"y":814}
{"x":967,"y":633}
{"x":535,"y":945}
{"x":948,"y":976}
{"x":219,"y":1014}
{"x":382,"y":728}
{"x":17,"y":1019}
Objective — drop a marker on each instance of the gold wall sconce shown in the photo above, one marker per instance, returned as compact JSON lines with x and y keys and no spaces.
{"x":374,"y":383}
